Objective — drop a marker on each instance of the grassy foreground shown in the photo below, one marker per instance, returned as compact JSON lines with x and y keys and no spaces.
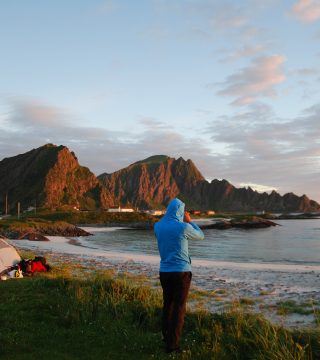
{"x":72,"y":313}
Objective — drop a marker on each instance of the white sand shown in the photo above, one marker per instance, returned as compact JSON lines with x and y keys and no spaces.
{"x":226,"y":282}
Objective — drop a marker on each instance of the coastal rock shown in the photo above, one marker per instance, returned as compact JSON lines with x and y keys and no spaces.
{"x":251,"y":223}
{"x":71,"y":230}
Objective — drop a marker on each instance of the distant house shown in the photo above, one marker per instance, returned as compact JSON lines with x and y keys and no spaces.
{"x":117,"y":209}
{"x":195,"y":212}
{"x":211,"y":212}
{"x":128,"y":210}
{"x":114,"y":209}
{"x":155,"y":212}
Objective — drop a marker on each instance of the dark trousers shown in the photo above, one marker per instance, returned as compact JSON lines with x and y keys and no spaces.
{"x":175,"y":286}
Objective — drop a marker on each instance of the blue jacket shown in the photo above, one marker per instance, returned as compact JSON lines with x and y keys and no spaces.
{"x":172,"y":236}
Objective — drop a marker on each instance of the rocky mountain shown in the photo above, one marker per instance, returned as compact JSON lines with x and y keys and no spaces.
{"x":152,"y":182}
{"x":50,"y":176}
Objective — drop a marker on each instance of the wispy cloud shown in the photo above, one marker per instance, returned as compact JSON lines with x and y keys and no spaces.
{"x":306,"y":72}
{"x":255,"y":81}
{"x":226,"y":15}
{"x":306,"y":11}
{"x":245,"y":51}
{"x":32,"y":124}
{"x":152,"y":123}
{"x":31,"y":113}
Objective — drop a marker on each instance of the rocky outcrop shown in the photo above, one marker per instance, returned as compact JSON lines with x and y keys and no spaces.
{"x":251,"y":223}
{"x":153,"y":182}
{"x":38,"y":230}
{"x":50,"y":176}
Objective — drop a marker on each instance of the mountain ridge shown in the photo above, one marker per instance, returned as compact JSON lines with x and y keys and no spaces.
{"x":146,"y":186}
{"x":51,"y":176}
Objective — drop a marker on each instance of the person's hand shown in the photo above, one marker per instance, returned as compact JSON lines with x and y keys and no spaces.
{"x":187,"y":217}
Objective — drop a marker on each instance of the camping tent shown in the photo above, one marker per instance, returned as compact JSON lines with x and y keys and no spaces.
{"x":8,"y":255}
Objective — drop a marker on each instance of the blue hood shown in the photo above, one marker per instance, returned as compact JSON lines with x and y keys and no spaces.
{"x":175,"y":210}
{"x":172,"y":236}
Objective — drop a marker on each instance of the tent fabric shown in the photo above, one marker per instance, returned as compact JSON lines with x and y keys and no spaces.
{"x":8,"y":255}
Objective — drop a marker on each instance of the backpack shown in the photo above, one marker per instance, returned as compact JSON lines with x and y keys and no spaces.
{"x":23,"y":264}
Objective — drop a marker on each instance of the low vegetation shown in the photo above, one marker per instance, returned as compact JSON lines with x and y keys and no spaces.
{"x":76,"y":313}
{"x":93,"y":217}
{"x":63,"y":223}
{"x":293,"y":307}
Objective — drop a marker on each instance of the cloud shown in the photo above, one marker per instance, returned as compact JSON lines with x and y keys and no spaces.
{"x":306,"y":72}
{"x":30,"y":113}
{"x":244,"y":51}
{"x":265,"y":149}
{"x":31,"y":124}
{"x":209,"y":20}
{"x":255,"y":81}
{"x":227,"y":15}
{"x":151,"y":122}
{"x":306,"y":11}
{"x":215,"y":14}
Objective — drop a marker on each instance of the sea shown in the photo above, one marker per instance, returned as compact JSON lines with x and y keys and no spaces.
{"x":291,"y":242}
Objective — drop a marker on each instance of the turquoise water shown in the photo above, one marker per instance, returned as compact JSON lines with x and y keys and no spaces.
{"x":294,"y":242}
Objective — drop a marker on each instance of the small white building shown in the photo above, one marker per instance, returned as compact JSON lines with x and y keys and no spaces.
{"x":154,"y":212}
{"x":117,"y":209}
{"x":128,"y":210}
{"x":114,"y":209}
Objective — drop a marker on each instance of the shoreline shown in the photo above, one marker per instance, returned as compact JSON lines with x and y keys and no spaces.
{"x":261,"y":288}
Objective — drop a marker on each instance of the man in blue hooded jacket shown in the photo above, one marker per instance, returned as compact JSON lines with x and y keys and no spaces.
{"x":173,"y":232}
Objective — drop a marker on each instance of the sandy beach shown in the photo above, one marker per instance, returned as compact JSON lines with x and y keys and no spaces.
{"x":264,"y":288}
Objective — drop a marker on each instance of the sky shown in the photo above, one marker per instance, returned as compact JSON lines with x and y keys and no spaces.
{"x":232,"y":85}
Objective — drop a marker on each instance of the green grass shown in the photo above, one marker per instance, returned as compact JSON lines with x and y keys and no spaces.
{"x":293,"y":307}
{"x":247,"y":301}
{"x":15,"y":228}
{"x":74,"y":313}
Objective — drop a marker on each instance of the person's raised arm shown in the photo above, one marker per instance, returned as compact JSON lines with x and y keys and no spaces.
{"x":193,"y":232}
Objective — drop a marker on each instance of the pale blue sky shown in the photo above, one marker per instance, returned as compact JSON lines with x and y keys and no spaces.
{"x":233,"y":85}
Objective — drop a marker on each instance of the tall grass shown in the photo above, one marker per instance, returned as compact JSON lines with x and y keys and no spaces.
{"x":103,"y":317}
